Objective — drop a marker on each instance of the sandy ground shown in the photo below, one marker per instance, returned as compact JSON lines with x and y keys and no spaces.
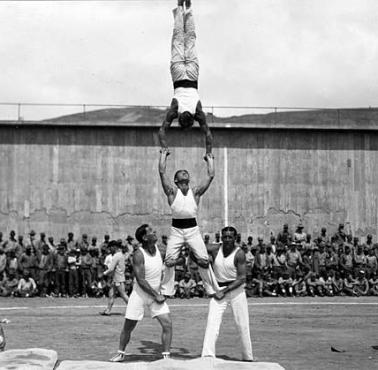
{"x":296,"y":333}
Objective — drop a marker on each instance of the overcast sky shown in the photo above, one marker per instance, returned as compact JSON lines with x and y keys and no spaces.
{"x":316,"y":53}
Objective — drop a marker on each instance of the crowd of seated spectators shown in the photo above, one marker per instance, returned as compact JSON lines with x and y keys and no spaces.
{"x":290,"y":264}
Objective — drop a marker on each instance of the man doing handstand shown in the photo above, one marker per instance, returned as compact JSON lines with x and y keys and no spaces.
{"x":186,"y":104}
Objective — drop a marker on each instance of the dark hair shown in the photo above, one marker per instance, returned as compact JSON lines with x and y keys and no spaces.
{"x":186,"y":119}
{"x":230,"y":228}
{"x":114,"y":243}
{"x":141,"y":232}
{"x":178,"y":172}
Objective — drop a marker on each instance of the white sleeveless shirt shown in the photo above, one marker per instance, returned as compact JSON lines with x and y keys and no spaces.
{"x":153,"y":267}
{"x":187,"y":98}
{"x":224,"y":267}
{"x":184,"y":206}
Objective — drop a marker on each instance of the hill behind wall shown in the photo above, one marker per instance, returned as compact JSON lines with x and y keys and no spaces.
{"x":327,"y":118}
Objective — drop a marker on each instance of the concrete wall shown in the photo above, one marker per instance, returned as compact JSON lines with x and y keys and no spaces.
{"x":104,"y":179}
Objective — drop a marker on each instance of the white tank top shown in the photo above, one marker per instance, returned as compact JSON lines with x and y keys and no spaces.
{"x":224,"y":268}
{"x":153,"y":267}
{"x":184,"y":206}
{"x":187,"y":98}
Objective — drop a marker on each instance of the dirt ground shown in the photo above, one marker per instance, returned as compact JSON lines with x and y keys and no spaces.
{"x":297,"y":333}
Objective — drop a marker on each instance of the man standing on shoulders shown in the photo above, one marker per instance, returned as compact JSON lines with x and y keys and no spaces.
{"x":230,"y":272}
{"x":148,"y":267}
{"x":184,"y":202}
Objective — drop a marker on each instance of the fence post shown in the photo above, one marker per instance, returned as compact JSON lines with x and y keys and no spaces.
{"x":275,"y":115}
{"x":84,"y":112}
{"x":19,"y":112}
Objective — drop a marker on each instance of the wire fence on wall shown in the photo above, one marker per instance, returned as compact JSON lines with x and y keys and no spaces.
{"x":12,"y":111}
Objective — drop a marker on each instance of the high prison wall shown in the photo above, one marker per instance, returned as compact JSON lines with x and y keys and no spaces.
{"x":104,"y":178}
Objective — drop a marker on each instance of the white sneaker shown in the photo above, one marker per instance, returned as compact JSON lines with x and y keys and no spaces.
{"x":166,"y":355}
{"x":119,"y":357}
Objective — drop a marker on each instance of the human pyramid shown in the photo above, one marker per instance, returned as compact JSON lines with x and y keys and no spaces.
{"x":154,"y":272}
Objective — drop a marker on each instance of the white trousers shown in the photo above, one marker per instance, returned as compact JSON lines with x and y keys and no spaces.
{"x":184,"y":60}
{"x":238,"y":300}
{"x":193,"y":237}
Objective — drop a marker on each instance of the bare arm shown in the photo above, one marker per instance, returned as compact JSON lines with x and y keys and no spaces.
{"x":167,"y":186}
{"x":200,"y":116}
{"x":139,"y":272}
{"x":170,"y":116}
{"x":200,"y":190}
{"x":112,"y":266}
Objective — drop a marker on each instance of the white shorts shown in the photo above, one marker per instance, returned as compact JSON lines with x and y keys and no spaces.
{"x":140,"y":301}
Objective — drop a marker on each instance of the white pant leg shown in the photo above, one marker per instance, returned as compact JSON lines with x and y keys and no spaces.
{"x":178,"y":68}
{"x":194,"y":239}
{"x":175,"y":242}
{"x":191,"y":58}
{"x":239,"y":307}
{"x":214,"y":319}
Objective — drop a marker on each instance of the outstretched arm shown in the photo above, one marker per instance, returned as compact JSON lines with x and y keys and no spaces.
{"x":167,"y":187}
{"x":170,"y":116}
{"x":200,"y":116}
{"x":199,"y":190}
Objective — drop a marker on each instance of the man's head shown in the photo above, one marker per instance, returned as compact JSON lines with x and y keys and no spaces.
{"x":12,"y":234}
{"x":182,"y":179}
{"x":229,"y":234}
{"x":32,"y":234}
{"x":285,"y":227}
{"x":145,"y":235}
{"x":186,"y":120}
{"x":114,"y":245}
{"x":27,"y":275}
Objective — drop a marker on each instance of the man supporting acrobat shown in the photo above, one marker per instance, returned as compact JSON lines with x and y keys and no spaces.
{"x":186,"y":104}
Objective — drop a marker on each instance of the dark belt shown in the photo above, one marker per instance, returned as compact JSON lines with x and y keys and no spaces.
{"x":185,"y":83}
{"x":227,"y":283}
{"x":184,"y":223}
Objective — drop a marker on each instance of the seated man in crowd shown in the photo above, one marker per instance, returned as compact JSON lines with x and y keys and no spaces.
{"x":300,"y":289}
{"x":362,"y":284}
{"x":187,"y":286}
{"x":26,"y":286}
{"x":349,"y":285}
{"x":9,"y":284}
{"x":270,"y":285}
{"x":373,"y":285}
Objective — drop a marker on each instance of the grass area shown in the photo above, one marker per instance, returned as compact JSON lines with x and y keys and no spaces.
{"x":296,"y":333}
